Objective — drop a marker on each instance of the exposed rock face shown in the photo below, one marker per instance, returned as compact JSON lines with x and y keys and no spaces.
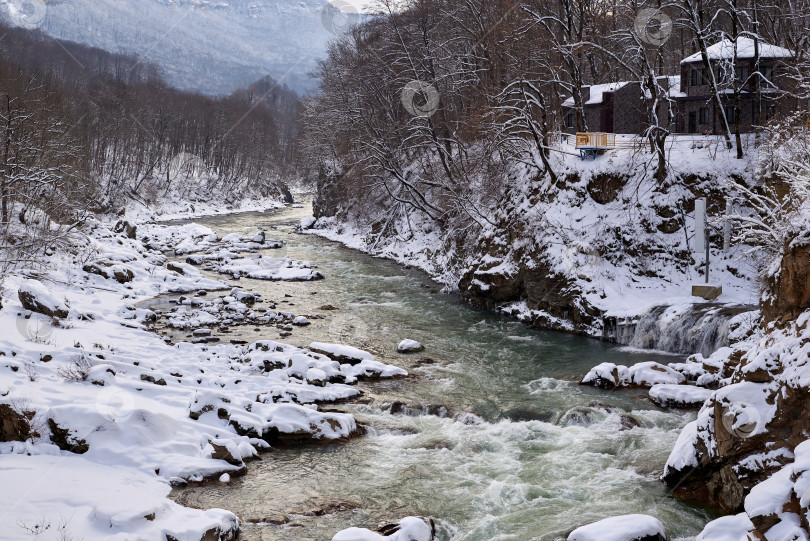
{"x":543,"y":291}
{"x":62,"y":438}
{"x":127,"y":228}
{"x":788,"y":293}
{"x":605,"y":187}
{"x":749,"y":428}
{"x":108,"y":270}
{"x":14,"y":426}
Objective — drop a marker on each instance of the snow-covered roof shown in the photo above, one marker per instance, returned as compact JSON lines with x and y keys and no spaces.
{"x":597,"y":92}
{"x":675,"y":87}
{"x":724,"y":50}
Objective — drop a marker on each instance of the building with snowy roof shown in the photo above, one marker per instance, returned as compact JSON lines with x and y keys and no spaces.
{"x":698,"y":111}
{"x":618,"y":107}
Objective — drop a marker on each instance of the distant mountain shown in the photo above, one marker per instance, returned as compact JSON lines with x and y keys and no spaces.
{"x":209,"y":46}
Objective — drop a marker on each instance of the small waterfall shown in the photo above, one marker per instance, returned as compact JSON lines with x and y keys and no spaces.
{"x":690,"y":328}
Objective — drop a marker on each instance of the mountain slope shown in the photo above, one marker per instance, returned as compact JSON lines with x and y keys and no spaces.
{"x":210,"y":47}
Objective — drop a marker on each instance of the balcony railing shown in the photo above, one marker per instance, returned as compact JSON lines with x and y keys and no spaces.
{"x":597,"y":141}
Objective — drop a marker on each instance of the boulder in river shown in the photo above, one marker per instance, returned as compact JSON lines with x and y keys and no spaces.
{"x":407,"y":529}
{"x":410,"y":346}
{"x":646,"y":374}
{"x":679,"y":396}
{"x":621,"y":528}
{"x":36,"y":297}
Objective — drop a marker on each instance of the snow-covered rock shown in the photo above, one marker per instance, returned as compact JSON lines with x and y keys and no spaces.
{"x":410,"y":346}
{"x":342,"y":353}
{"x":308,"y":222}
{"x":651,"y":373}
{"x":679,"y":396}
{"x":730,"y":528}
{"x":145,"y":414}
{"x":87,"y":500}
{"x":621,"y":528}
{"x":646,"y":374}
{"x":749,"y":429}
{"x":408,"y":529}
{"x":36,"y":297}
{"x":607,"y":375}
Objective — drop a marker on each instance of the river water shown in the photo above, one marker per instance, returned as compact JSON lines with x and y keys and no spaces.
{"x":544,"y":455}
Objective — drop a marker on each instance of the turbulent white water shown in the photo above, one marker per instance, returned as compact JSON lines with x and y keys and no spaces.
{"x":514,"y":449}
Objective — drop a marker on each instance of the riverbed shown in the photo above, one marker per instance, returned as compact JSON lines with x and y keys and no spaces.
{"x":490,"y":435}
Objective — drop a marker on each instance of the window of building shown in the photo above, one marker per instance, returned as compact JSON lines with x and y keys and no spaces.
{"x":730,"y":116}
{"x":700,"y":77}
{"x":742,"y":74}
{"x":569,"y":120}
{"x":767,"y":74}
{"x":704,"y":115}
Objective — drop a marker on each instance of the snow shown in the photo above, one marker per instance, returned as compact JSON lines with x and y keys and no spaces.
{"x":730,"y":528}
{"x":682,"y":396}
{"x":620,"y":528}
{"x":113,"y":502}
{"x":341,"y":352}
{"x":409,"y":346}
{"x":597,"y":93}
{"x":274,"y":269}
{"x":409,"y":529}
{"x":42,"y":296}
{"x":645,"y":374}
{"x":724,"y":50}
{"x":683,"y":454}
{"x":136,"y":414}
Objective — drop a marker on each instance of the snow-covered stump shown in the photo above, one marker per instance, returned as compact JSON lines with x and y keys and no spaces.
{"x":621,"y":528}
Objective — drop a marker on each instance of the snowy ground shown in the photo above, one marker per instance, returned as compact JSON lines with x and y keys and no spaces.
{"x":101,"y":416}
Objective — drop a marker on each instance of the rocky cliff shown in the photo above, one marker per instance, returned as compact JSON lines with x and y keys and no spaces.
{"x":747,"y":453}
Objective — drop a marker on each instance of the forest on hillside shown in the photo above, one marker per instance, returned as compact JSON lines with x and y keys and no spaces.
{"x":424,"y":110}
{"x":85,"y":131}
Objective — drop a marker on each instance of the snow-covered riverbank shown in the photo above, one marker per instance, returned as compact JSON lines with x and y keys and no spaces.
{"x":607,"y":242}
{"x":101,"y":416}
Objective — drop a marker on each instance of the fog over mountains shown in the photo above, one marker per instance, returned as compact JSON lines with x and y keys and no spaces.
{"x":207,"y":46}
